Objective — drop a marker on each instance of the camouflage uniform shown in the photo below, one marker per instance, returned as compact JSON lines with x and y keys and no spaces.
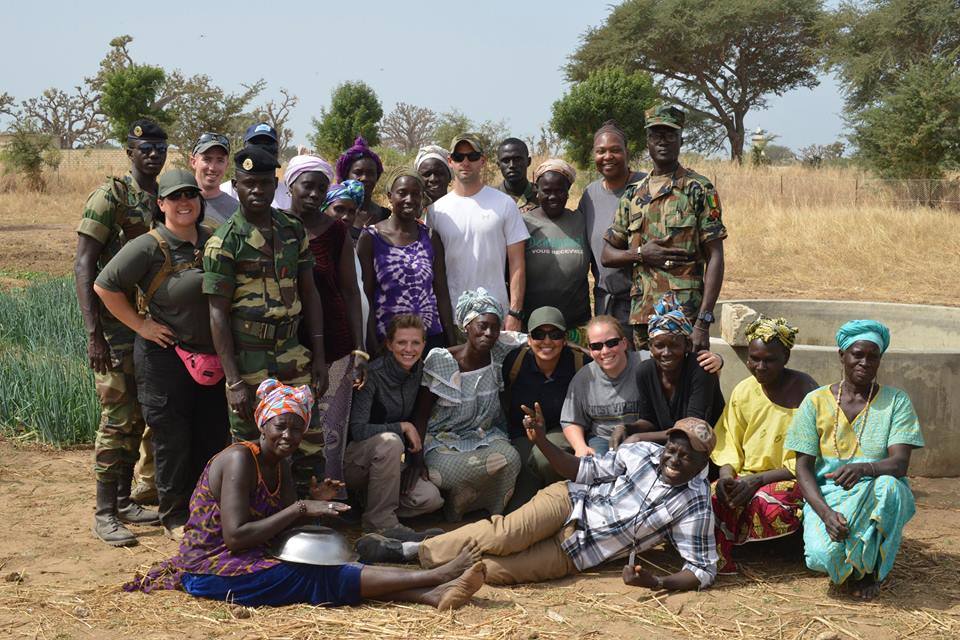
{"x":687,"y":212}
{"x":259,"y":275}
{"x":118,"y":211}
{"x":526,"y":202}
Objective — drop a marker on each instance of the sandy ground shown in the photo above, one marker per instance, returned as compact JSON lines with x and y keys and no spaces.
{"x":57,"y":581}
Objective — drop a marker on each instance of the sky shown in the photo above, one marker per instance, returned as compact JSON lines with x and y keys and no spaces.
{"x":495,"y":60}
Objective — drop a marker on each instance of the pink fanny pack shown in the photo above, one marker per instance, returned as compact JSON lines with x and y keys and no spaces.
{"x":205,"y":368}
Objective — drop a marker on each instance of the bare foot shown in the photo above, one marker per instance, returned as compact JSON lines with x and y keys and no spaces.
{"x":456,"y":593}
{"x":468,"y":556}
{"x":867,"y":588}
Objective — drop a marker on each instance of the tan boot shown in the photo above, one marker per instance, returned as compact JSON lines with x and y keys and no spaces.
{"x":144,"y":493}
{"x":106,"y":524}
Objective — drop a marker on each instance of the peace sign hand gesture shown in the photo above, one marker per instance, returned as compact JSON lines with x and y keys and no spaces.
{"x":533,"y":422}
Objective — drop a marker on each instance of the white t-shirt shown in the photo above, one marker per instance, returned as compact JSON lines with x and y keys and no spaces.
{"x":281,"y":198}
{"x":475,"y":232}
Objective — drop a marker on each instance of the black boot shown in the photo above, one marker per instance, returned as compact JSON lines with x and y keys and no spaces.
{"x":127,"y":510}
{"x":106,"y":525}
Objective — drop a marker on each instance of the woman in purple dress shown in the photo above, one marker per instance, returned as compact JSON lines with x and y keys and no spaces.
{"x":246,"y":496}
{"x":403,"y":267}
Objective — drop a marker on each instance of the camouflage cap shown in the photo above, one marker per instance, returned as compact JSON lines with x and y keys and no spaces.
{"x":145,"y":129}
{"x":470,"y":138}
{"x":664,"y":115}
{"x":255,"y":160}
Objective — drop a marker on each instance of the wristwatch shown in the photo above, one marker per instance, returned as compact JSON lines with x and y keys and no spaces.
{"x":516,"y":314}
{"x":707,"y":317}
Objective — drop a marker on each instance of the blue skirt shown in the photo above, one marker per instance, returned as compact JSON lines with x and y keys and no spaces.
{"x":285,"y":583}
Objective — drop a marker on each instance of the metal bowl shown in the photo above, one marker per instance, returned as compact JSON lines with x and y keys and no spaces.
{"x":312,"y":544}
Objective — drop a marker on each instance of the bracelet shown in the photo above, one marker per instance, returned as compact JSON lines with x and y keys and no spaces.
{"x":235,"y":385}
{"x":360,"y":353}
{"x":316,"y":335}
{"x":873,"y":470}
{"x":301,"y":507}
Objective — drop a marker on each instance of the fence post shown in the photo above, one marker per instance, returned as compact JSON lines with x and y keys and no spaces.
{"x":856,"y":190}
{"x":781,"y":184}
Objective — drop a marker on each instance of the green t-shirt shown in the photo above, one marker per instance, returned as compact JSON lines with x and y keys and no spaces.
{"x":557,"y":262}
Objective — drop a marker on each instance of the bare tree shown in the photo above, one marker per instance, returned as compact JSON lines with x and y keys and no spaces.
{"x":71,"y":119}
{"x":408,"y":127}
{"x":276,"y":113}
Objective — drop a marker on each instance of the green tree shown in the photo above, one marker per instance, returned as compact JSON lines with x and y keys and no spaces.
{"x":604,"y":94}
{"x":450,"y":124}
{"x":914,"y":129}
{"x":131,"y":93}
{"x":27,"y":152}
{"x":354,"y":111}
{"x":716,"y":58}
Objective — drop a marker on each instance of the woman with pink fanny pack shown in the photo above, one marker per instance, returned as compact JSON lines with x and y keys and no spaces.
{"x":180,"y":383}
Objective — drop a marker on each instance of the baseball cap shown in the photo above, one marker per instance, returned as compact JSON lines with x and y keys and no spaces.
{"x":174,"y":180}
{"x":546,"y":315}
{"x":701,"y":436}
{"x":260,"y":129}
{"x":470,"y":138}
{"x":209,"y":140}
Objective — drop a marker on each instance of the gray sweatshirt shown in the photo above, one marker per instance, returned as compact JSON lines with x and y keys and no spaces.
{"x":386,"y":400}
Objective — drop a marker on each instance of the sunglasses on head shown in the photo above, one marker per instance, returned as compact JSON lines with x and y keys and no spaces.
{"x":188,"y":194}
{"x":213,"y":137}
{"x":553,"y":334}
{"x":611,"y":343}
{"x":149,"y":147}
{"x":473,"y":156}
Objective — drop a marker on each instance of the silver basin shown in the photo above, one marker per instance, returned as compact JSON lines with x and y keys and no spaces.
{"x":312,"y":544}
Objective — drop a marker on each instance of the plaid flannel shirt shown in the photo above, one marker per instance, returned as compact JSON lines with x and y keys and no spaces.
{"x":614,"y":503}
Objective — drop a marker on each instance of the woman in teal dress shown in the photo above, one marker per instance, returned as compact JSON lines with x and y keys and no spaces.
{"x":853,"y":441}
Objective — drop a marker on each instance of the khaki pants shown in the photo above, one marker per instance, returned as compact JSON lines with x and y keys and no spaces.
{"x":373,"y":466}
{"x":523,"y":546}
{"x":145,"y":471}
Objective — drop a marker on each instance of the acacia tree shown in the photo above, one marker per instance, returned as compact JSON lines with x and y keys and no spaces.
{"x":354,"y":111}
{"x":716,"y":58}
{"x":604,"y":94}
{"x":276,"y":113}
{"x":408,"y":127}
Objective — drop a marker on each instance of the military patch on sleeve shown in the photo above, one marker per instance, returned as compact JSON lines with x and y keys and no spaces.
{"x":713,"y":204}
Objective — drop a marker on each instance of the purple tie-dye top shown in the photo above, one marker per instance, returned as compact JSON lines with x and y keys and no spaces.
{"x":202,"y":549}
{"x":405,"y":281}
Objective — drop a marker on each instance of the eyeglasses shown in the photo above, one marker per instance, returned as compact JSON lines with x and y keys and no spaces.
{"x":553,"y":334}
{"x":188,"y":194}
{"x":213,"y":137}
{"x":665,"y":136}
{"x":149,"y":147}
{"x":473,"y":156}
{"x":610,"y":344}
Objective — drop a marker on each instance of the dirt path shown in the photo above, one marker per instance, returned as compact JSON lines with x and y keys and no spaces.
{"x":57,"y":581}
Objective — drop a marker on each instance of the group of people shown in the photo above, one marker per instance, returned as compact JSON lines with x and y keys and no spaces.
{"x":441,"y":355}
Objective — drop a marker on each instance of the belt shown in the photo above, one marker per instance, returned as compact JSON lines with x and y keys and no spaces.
{"x":266,"y":330}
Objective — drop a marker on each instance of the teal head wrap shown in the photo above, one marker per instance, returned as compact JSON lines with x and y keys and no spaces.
{"x":857,"y":330}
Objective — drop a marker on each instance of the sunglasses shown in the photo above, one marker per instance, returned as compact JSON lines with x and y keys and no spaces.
{"x":188,"y":194}
{"x":473,"y":156}
{"x":668,"y":136}
{"x":611,"y":343}
{"x":150,"y":147}
{"x":553,"y":334}
{"x":213,"y":137}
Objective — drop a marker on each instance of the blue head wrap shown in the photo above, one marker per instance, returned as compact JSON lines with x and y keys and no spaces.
{"x":346,"y":190}
{"x":668,"y":317}
{"x":857,"y":330}
{"x":471,"y":304}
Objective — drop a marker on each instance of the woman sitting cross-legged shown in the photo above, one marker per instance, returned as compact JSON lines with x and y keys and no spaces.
{"x":246,"y":496}
{"x":853,"y":441}
{"x":756,"y":497}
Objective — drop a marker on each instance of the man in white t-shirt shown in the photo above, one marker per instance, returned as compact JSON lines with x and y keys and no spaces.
{"x":482,"y":231}
{"x":264,"y":136}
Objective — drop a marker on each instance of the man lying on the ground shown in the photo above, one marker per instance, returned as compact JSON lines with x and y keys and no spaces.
{"x":629,"y":499}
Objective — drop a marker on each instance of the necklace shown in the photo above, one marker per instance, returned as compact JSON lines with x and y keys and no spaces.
{"x":853,"y":425}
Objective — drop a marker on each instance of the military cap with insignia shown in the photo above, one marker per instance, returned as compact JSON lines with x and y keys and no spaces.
{"x":145,"y":129}
{"x":664,"y":115}
{"x":255,"y":160}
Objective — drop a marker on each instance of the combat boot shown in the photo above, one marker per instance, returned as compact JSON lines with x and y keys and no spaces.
{"x":127,"y":510}
{"x":106,"y":525}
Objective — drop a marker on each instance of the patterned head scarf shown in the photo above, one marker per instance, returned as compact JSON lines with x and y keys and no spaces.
{"x":476,"y":303}
{"x":434,"y":151}
{"x":347,"y":190}
{"x":558,"y":165}
{"x":354,"y":153}
{"x":767,"y":329}
{"x":857,"y":330}
{"x":277,"y":398}
{"x":303,"y":163}
{"x":668,"y":317}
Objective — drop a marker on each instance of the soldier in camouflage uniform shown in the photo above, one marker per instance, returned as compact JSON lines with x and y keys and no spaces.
{"x":118,"y":211}
{"x":258,"y":277}
{"x":513,"y":158}
{"x":668,"y":228}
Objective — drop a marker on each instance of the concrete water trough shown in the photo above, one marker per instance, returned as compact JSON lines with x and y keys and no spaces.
{"x":923,"y":360}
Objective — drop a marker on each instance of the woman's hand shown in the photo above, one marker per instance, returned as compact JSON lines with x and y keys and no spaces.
{"x":836,"y":526}
{"x":359,"y":372}
{"x":848,"y":475}
{"x":743,"y":489}
{"x":533,"y":422}
{"x":709,"y":361}
{"x":637,"y":576}
{"x":618,"y":436}
{"x":327,"y":490}
{"x":584,"y":451}
{"x":414,"y":445}
{"x":320,"y":508}
{"x":240,"y":401}
{"x":155,"y":332}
